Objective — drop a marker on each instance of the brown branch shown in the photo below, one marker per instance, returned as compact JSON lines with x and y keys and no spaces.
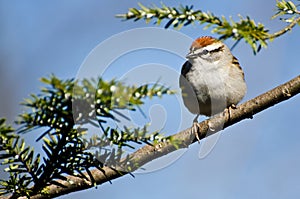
{"x":284,"y":30}
{"x":148,"y":153}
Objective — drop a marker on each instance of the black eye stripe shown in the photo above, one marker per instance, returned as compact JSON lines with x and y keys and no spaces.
{"x":217,"y":49}
{"x":205,"y":51}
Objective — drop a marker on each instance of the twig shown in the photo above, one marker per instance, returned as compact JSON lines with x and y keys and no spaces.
{"x":284,"y":30}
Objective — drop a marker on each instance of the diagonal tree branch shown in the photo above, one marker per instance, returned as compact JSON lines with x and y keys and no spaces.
{"x":183,"y":138}
{"x":284,"y":30}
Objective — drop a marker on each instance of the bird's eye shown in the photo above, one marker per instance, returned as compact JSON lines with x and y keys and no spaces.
{"x":205,"y":52}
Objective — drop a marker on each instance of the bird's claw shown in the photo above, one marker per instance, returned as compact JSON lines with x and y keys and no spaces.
{"x":229,"y":109}
{"x":195,"y":129}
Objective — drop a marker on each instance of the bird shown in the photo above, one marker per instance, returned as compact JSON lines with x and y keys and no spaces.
{"x":211,"y":79}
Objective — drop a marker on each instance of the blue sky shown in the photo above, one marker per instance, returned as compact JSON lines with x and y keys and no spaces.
{"x":256,"y":158}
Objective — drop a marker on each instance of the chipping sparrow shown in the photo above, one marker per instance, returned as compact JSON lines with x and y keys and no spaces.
{"x":211,"y":80}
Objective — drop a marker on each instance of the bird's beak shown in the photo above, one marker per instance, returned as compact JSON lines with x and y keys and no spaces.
{"x":190,"y":55}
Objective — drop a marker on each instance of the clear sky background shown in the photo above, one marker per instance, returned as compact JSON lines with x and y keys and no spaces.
{"x":256,"y":158}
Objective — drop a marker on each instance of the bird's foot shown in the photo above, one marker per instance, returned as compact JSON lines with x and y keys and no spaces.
{"x":232,"y":106}
{"x":195,"y":130}
{"x":229,"y":109}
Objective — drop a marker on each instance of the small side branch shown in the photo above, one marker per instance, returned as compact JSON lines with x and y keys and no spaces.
{"x":284,"y":30}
